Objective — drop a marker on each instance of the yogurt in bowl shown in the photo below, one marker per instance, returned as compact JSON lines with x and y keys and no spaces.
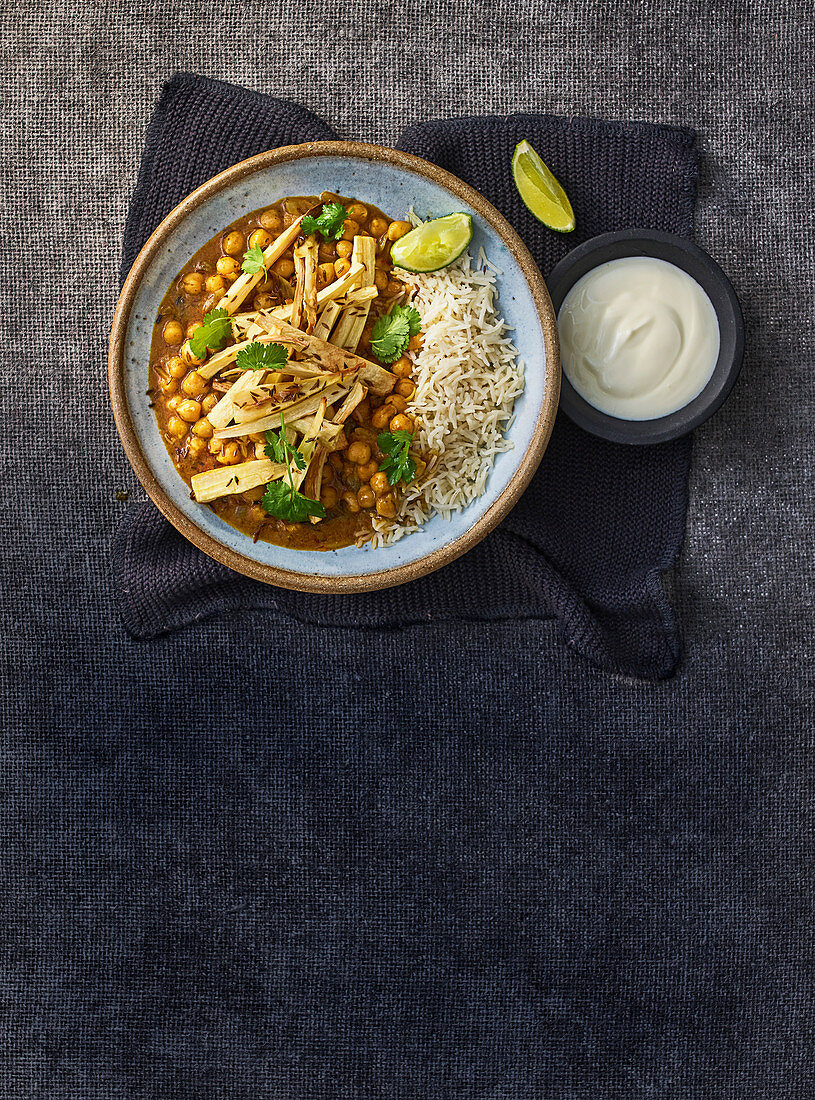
{"x":651,"y":335}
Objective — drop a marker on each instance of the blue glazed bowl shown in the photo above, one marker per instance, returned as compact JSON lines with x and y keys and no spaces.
{"x":392,"y":181}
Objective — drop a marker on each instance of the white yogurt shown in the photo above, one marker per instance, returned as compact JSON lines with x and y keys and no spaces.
{"x":639,"y":337}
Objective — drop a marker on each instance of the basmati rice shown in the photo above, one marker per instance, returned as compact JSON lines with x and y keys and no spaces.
{"x":468,"y":376}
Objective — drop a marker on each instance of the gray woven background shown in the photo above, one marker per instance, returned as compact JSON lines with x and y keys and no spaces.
{"x":80,"y":80}
{"x":84,"y":77}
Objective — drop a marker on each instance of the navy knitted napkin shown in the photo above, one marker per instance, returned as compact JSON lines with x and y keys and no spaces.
{"x":600,"y":523}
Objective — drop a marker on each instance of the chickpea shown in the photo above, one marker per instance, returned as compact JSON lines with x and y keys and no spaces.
{"x":398,"y":229}
{"x":260,"y":239}
{"x":202,"y":428}
{"x":357,"y":211}
{"x":194,"y":385}
{"x":197,"y":446}
{"x":230,"y":453}
{"x":193,"y":282}
{"x":386,"y":506}
{"x":271,"y":219}
{"x":401,"y":423}
{"x":176,"y":427}
{"x":327,"y":252}
{"x":402,"y":368}
{"x":173,"y":333}
{"x":283,"y":267}
{"x":415,"y":342}
{"x":209,"y":402}
{"x":329,"y":497}
{"x":167,"y":385}
{"x":405,"y":388}
{"x":326,"y":274}
{"x":380,"y":483}
{"x":234,"y":243}
{"x":215,"y":282}
{"x":227,"y":266}
{"x":380,"y":417}
{"x":366,"y":497}
{"x":189,"y":410}
{"x":398,"y":402}
{"x":173,"y":402}
{"x":188,"y":357}
{"x":176,"y":367}
{"x":359,"y":454}
{"x":394,"y":287}
{"x":341,"y":267}
{"x":344,"y":249}
{"x":350,"y":501}
{"x":215,"y":446}
{"x":192,"y":328}
{"x":366,"y":470}
{"x":380,"y":279}
{"x":297,"y":206}
{"x":349,"y":471}
{"x":378,"y":226}
{"x":350,"y":229}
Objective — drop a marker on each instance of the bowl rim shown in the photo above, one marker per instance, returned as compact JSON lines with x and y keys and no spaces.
{"x":701,"y":266}
{"x":352,"y":582}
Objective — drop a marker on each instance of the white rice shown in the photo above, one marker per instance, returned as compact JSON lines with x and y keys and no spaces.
{"x":468,"y":376}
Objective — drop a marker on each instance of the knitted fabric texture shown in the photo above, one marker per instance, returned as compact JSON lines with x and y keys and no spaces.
{"x":600,"y":523}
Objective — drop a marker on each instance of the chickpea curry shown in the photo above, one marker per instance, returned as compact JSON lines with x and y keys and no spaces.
{"x":279,"y":375}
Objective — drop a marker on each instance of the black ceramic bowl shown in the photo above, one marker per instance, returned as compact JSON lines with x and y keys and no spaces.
{"x":701,"y":267}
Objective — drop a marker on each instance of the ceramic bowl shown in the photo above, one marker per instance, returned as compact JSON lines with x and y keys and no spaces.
{"x":701,"y":267}
{"x":392,"y":181}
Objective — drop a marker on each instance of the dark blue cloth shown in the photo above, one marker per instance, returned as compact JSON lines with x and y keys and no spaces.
{"x":600,"y":524}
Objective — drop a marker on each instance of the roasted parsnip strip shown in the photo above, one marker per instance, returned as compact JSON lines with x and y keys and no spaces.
{"x":250,"y":413}
{"x":228,"y":356}
{"x":224,"y":411}
{"x":349,"y":327}
{"x":298,"y":409}
{"x":308,"y":444}
{"x":376,"y":378}
{"x":314,"y":477}
{"x":245,"y":284}
{"x":328,"y":432}
{"x":334,"y":290}
{"x":305,"y":293}
{"x":353,"y":297}
{"x":326,"y":320}
{"x":228,"y":480}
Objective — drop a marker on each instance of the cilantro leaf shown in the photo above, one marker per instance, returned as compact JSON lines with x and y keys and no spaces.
{"x":211,"y":336}
{"x":329,"y":221}
{"x":279,"y":449}
{"x":262,"y":357}
{"x":391,"y":333}
{"x":253,"y":261}
{"x":282,"y":500}
{"x":398,"y":464}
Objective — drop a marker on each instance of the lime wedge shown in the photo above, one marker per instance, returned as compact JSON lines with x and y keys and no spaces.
{"x":434,"y":244}
{"x":542,"y":194}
